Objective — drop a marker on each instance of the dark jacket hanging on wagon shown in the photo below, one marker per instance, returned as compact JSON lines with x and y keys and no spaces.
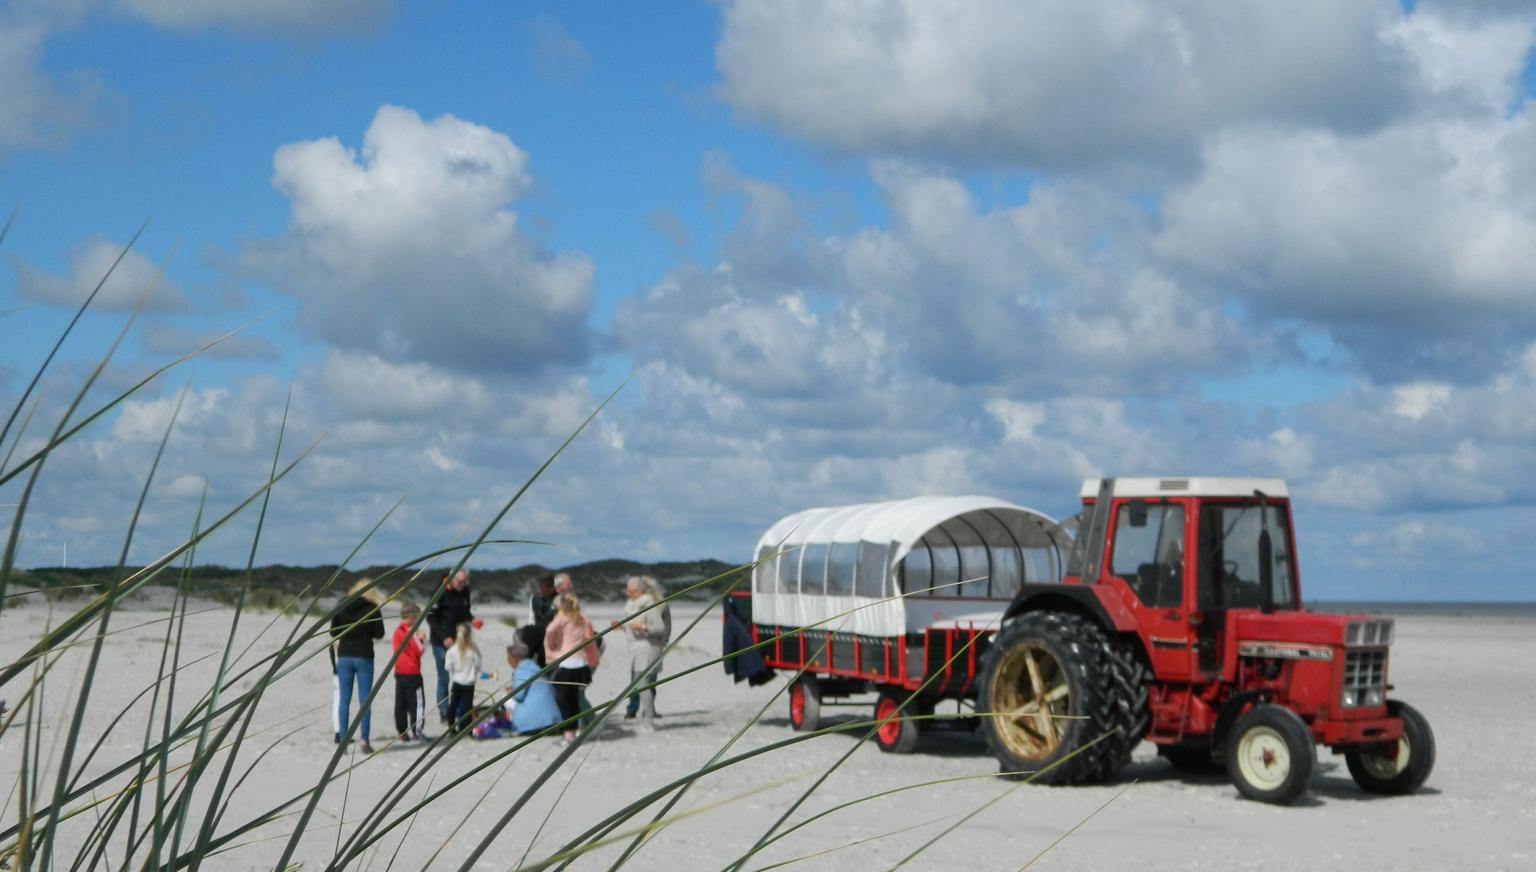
{"x":736,"y":636}
{"x":356,"y":627}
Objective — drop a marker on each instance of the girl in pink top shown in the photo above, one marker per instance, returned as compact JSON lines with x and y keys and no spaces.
{"x":569,"y":631}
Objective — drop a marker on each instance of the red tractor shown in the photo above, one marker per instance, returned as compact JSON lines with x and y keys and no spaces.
{"x":1179,"y":620}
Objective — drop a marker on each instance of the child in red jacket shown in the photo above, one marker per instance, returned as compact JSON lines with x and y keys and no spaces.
{"x":410,"y":699}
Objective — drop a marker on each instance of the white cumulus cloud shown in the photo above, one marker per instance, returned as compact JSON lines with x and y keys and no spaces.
{"x":409,"y":249}
{"x":1065,"y":83}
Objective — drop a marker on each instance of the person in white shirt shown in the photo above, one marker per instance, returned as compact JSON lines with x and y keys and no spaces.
{"x":462,"y":661}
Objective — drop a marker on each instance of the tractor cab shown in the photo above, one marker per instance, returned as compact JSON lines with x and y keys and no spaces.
{"x":1185,"y":555}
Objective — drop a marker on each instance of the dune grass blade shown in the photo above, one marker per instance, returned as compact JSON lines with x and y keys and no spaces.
{"x":192,"y":720}
{"x":183,"y":593}
{"x":146,"y":758}
{"x":246,"y":704}
{"x":8,"y":560}
{"x":900,"y":708}
{"x":406,"y":781}
{"x":129,"y":795}
{"x":854,"y":844}
{"x":68,"y":328}
{"x":1077,"y":826}
{"x":234,"y":625}
{"x":132,"y":389}
{"x":405,"y":835}
{"x":996,"y":799}
{"x":137,"y":579}
{"x":671,"y":803}
{"x":95,"y":656}
{"x":189,"y":723}
{"x":605,"y":710}
{"x":658,"y":793}
{"x":20,"y":432}
{"x":651,"y":827}
{"x":538,"y":831}
{"x":985,"y":776}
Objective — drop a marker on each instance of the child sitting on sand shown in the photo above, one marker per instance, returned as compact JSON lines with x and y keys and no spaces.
{"x":410,"y":695}
{"x":462,"y":661}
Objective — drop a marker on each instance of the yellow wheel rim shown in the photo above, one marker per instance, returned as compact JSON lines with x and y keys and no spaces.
{"x":1030,"y":699}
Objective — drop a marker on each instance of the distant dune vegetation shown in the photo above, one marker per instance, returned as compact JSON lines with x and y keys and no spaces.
{"x":273,"y":586}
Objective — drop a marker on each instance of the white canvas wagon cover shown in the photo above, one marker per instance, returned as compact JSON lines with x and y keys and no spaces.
{"x":818,"y":564}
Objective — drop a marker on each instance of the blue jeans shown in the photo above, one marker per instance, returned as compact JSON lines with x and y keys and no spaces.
{"x":438,"y":653}
{"x":349,"y":669}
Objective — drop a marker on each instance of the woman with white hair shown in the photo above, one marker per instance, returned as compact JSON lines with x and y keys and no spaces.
{"x":649,"y":629}
{"x":355,"y":627}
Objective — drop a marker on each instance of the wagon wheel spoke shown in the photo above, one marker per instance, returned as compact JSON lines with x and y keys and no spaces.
{"x":1034,"y":674}
{"x":1031,"y":728}
{"x":1057,"y":692}
{"x":1046,"y":726}
{"x":1022,"y":712}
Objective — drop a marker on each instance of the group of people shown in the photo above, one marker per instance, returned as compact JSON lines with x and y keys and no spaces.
{"x":557,"y":633}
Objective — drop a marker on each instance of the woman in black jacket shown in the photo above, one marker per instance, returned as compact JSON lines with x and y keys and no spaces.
{"x":355,"y":627}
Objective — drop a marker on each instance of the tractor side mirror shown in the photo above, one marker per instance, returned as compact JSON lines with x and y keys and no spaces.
{"x":1138,"y":513}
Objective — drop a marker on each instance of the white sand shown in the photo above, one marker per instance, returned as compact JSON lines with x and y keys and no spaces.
{"x":1474,"y":678}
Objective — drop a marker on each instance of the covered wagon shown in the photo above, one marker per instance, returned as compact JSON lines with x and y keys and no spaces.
{"x":893,"y":597}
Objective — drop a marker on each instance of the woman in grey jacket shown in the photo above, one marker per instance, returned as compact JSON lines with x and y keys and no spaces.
{"x":648,"y":636}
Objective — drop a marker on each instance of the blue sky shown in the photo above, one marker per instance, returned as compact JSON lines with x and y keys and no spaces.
{"x":846,"y":253}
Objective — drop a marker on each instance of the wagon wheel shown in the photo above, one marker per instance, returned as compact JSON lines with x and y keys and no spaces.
{"x":897,"y":735}
{"x":1062,"y":699}
{"x":805,"y":704}
{"x":1029,"y":697}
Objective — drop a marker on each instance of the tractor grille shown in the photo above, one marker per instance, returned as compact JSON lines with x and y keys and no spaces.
{"x":1365,"y":677}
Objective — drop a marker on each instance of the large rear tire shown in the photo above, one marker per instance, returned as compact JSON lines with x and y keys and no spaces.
{"x":897,"y":735}
{"x":805,"y":704}
{"x":1270,"y":755}
{"x":1401,"y":769}
{"x":1061,"y":700}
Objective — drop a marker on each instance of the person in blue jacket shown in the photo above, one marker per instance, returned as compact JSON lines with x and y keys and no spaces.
{"x":534,"y":710}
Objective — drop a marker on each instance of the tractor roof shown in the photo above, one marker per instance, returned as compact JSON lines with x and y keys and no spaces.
{"x":1199,"y":486}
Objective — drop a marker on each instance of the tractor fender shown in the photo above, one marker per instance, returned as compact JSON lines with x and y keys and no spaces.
{"x":1235,"y":705}
{"x":1089,"y":600}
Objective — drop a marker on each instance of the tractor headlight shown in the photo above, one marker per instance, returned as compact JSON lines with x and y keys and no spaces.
{"x":1372,"y":697}
{"x":1350,"y":698}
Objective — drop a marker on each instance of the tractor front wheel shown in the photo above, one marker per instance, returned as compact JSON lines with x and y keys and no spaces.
{"x":1400,"y":768}
{"x":1270,"y":755}
{"x":805,"y":704}
{"x":896,"y":735}
{"x":1060,"y":700}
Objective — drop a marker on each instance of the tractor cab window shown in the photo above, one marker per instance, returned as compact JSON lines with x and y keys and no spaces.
{"x":1149,"y":552}
{"x":1236,"y":543}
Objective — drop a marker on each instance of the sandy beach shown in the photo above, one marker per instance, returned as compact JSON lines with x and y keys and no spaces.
{"x":1471,"y":676}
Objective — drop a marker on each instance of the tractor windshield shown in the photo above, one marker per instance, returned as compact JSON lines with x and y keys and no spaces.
{"x":1233,"y":551}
